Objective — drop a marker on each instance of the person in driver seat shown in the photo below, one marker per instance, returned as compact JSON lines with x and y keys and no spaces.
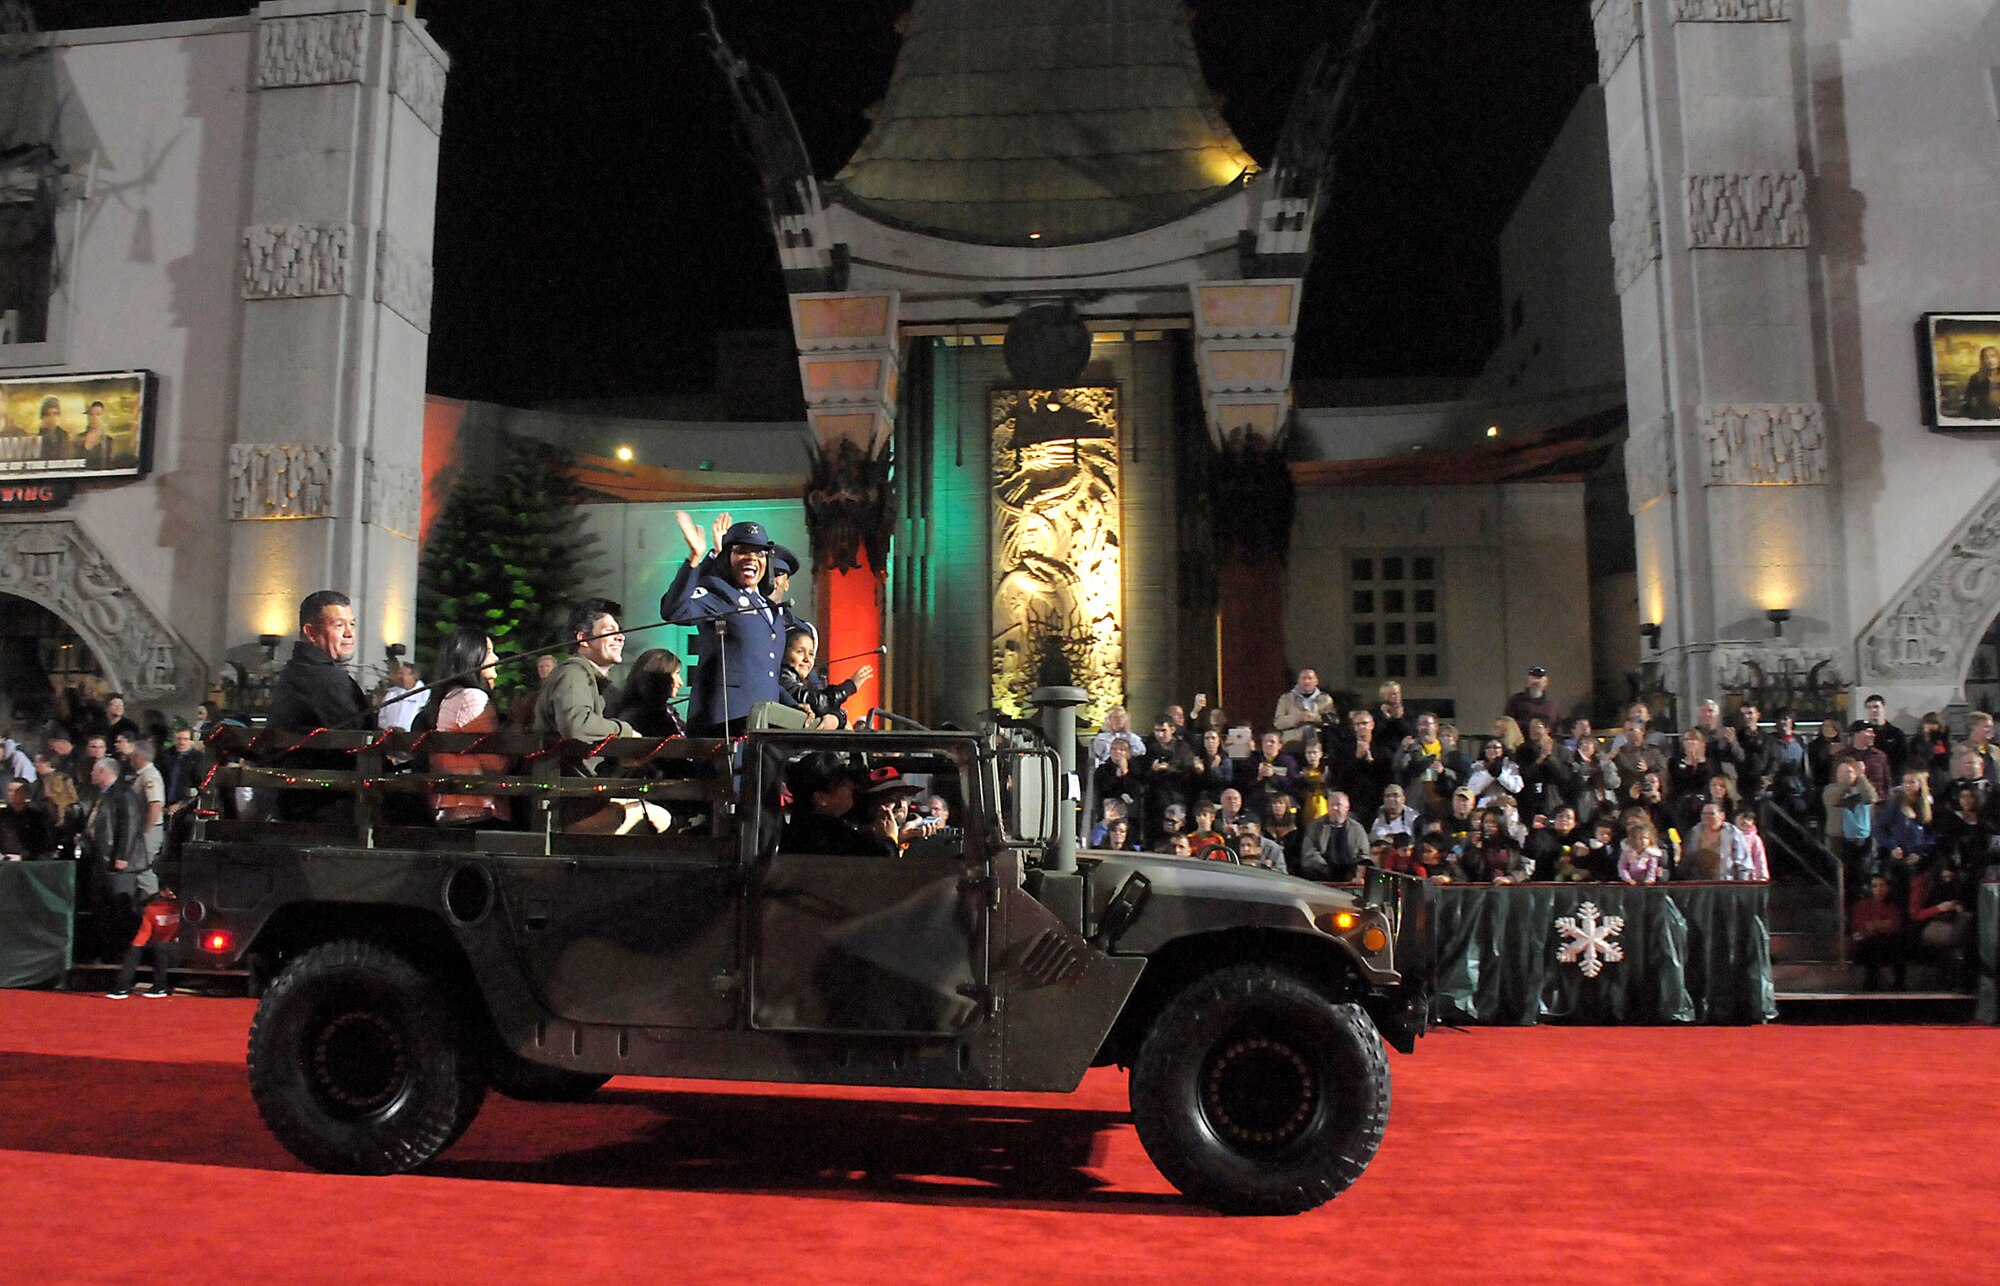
{"x":823,"y":821}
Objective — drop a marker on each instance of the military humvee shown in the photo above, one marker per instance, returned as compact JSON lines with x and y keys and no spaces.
{"x":405,"y":967}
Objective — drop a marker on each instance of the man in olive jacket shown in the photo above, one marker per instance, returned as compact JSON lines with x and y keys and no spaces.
{"x":571,"y":703}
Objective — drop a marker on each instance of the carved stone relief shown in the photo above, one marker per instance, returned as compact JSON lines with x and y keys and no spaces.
{"x":419,"y":79}
{"x":1635,"y":236}
{"x":403,"y":281}
{"x":1732,"y":10}
{"x":55,"y":565}
{"x":296,"y":260}
{"x":1773,"y":675}
{"x":1763,"y":444}
{"x":281,"y":480}
{"x":393,"y":498}
{"x":1617,"y":23}
{"x":324,"y":49}
{"x":1760,"y":210}
{"x":1058,"y":580}
{"x":1929,"y":630}
{"x":1649,"y":463}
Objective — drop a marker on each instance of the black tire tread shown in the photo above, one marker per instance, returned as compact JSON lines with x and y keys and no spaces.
{"x":432,"y":1122}
{"x":1171,"y":1051}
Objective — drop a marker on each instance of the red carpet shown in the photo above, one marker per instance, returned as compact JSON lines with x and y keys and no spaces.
{"x":1779,"y":1154}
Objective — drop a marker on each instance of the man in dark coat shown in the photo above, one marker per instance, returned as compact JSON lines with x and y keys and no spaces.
{"x":742,"y":634}
{"x":116,"y":828}
{"x":314,"y":690}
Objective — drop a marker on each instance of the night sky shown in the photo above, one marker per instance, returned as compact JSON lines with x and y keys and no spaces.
{"x":597,"y":222}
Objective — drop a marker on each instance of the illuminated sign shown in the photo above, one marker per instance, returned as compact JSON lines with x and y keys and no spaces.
{"x":1057,"y":578}
{"x":76,"y":426}
{"x":35,"y":495}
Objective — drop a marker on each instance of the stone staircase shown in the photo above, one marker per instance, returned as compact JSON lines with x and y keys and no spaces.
{"x":1815,"y":985}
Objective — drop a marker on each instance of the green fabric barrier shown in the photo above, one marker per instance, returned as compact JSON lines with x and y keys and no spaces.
{"x":1988,"y":959}
{"x":1693,"y":953}
{"x":37,"y":906}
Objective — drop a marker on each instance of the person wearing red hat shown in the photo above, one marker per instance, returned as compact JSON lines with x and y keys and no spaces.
{"x":886,"y":801}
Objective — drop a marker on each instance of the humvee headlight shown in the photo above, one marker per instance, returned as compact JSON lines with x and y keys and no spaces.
{"x":1344,"y":921}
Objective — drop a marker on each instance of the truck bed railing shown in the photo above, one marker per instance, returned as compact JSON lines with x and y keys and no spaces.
{"x":381,"y":797}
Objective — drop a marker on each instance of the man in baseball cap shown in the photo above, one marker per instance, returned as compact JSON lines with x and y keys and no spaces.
{"x":1533,"y":701}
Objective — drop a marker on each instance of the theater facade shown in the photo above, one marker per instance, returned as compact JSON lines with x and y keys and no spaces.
{"x":215,"y":275}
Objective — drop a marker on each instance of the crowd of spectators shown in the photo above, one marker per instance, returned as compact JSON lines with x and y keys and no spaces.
{"x":101,"y":789}
{"x":1324,"y":792}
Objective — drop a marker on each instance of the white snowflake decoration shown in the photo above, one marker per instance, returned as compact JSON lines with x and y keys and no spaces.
{"x":1588,"y":938}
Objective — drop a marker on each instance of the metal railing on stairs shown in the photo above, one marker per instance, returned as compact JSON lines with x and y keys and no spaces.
{"x":1792,"y":842}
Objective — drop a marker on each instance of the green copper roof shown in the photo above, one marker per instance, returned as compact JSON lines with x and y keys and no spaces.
{"x":1073,"y":119}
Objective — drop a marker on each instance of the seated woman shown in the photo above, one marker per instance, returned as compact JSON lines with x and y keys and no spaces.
{"x":645,"y":701}
{"x":1118,"y":836}
{"x":464,"y":703}
{"x":1495,"y":855}
{"x":810,"y":693}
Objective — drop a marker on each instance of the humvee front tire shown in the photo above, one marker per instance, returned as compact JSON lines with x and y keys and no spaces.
{"x":357,"y":1064}
{"x":1255,"y":1094}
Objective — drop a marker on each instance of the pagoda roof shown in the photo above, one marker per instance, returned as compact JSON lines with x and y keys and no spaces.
{"x":1043,"y":122}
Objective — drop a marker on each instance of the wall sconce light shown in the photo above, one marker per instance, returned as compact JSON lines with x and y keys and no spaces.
{"x":1777,"y":616}
{"x":393,"y":651}
{"x":1650,"y":631}
{"x":269,"y":642}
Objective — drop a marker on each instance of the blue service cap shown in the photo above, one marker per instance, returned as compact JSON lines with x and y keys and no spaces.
{"x":751,"y":535}
{"x":784,"y":560}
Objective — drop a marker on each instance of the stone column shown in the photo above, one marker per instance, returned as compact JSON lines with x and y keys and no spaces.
{"x":1728,"y":462}
{"x":1244,"y":334}
{"x":325,"y":473}
{"x":850,"y":366}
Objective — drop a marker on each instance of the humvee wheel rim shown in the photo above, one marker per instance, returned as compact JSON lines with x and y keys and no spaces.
{"x":1259,"y":1095}
{"x":359,"y":1065}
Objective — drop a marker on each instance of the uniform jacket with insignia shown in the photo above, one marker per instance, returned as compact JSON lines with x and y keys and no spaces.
{"x":740,"y":646}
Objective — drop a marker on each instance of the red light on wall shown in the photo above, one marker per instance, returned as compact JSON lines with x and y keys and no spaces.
{"x":218,"y":941}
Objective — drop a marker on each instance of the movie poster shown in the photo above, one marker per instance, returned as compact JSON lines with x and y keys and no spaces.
{"x":1962,"y":357}
{"x":76,"y":426}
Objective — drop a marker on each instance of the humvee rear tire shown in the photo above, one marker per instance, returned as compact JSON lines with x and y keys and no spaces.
{"x":1256,"y":1094}
{"x":356,"y":1062}
{"x":528,"y":1082}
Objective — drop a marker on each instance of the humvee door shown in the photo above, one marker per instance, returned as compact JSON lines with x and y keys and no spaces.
{"x":847,"y":938}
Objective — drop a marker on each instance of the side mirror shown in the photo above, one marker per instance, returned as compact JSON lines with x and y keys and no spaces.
{"x":1032,"y":804}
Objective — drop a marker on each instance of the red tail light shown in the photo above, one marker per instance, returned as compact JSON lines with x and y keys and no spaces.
{"x":218,"y":941}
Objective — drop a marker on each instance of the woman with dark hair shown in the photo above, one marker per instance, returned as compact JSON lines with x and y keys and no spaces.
{"x":463,"y":702}
{"x":654,"y":681}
